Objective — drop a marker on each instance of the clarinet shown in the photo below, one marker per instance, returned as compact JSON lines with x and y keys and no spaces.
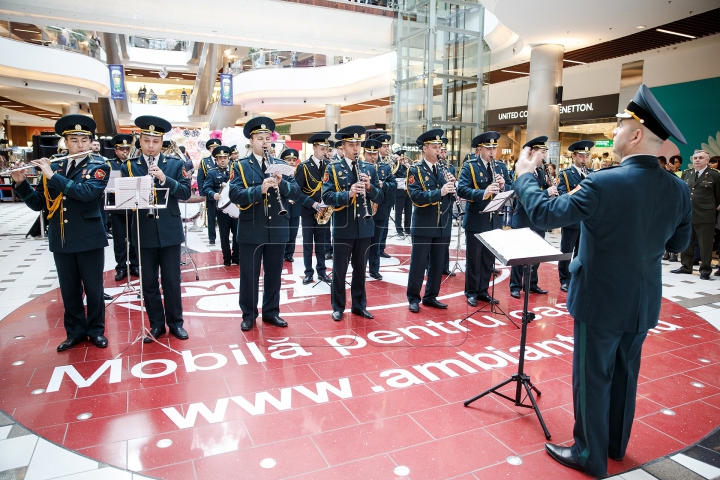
{"x":356,"y":172}
{"x":283,"y":210}
{"x":152,"y":212}
{"x":454,"y":198}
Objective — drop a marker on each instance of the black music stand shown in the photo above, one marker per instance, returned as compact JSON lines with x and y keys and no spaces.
{"x":514,"y":248}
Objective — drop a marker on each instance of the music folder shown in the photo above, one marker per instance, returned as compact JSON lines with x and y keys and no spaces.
{"x":497,"y":203}
{"x":520,"y":247}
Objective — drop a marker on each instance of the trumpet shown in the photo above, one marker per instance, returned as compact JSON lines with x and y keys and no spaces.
{"x":134,"y":150}
{"x":58,"y":159}
{"x":454,"y":198}
{"x":356,"y":172}
{"x":282,"y":210}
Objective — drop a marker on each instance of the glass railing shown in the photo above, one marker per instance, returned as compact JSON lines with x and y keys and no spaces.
{"x":55,"y":37}
{"x":262,"y":58}
{"x":172,"y":98}
{"x":157,"y":43}
{"x":373,"y":7}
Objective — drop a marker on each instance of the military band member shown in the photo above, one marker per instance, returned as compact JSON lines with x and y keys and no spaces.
{"x":309,"y":177}
{"x":349,"y":185}
{"x":380,"y":218}
{"x":478,"y":186}
{"x":70,"y":191}
{"x":443,"y":159}
{"x":570,"y":178}
{"x":234,"y":156}
{"x":520,"y":220}
{"x":389,"y":200}
{"x":403,"y":204}
{"x":215,"y":180}
{"x":431,"y":193}
{"x":210,"y":209}
{"x":262,"y":231}
{"x":118,"y":219}
{"x":290,"y":156}
{"x":161,"y":230}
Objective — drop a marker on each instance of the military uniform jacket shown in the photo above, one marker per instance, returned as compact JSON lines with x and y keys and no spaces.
{"x":205,"y":165}
{"x":431,"y":216}
{"x":214,"y":180}
{"x":704,"y":194}
{"x":259,"y":221}
{"x":520,"y":217}
{"x":76,"y":224}
{"x":570,"y":178}
{"x":474,"y":179}
{"x":167,"y":229}
{"x":627,"y":224}
{"x":309,"y":180}
{"x":348,"y":221}
{"x":389,"y":187}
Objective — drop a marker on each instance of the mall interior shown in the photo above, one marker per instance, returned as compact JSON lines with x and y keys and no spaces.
{"x":381,"y":391}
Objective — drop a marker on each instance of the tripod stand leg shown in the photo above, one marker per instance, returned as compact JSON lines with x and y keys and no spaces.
{"x":496,"y":387}
{"x":529,"y":388}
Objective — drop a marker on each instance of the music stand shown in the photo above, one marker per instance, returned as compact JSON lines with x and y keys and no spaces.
{"x":514,"y":248}
{"x":186,"y":251}
{"x":128,"y":288}
{"x":138,"y":193}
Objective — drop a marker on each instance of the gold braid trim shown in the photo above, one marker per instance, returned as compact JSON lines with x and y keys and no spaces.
{"x":310,"y":191}
{"x":338,"y":189}
{"x":242,"y":175}
{"x":53,"y":205}
{"x":567,"y":184}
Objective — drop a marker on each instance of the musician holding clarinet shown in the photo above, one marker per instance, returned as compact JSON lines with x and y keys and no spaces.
{"x":263,"y":227}
{"x":349,"y":186}
{"x":217,"y":177}
{"x":70,"y":189}
{"x":481,"y":179}
{"x":160,"y":229}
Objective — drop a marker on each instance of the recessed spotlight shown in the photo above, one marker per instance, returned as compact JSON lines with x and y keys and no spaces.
{"x":640,"y":26}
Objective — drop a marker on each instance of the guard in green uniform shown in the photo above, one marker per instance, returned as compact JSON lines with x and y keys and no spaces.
{"x":210,"y":208}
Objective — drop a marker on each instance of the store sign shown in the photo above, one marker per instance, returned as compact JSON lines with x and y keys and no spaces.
{"x":579,"y":109}
{"x":604,"y":143}
{"x":226,"y":90}
{"x":117,"y":82}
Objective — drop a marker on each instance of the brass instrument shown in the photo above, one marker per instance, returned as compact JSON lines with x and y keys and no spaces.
{"x":585,"y":171}
{"x":549,"y":178}
{"x":58,"y":159}
{"x":282,"y":209}
{"x":322,"y":216}
{"x":454,"y":198}
{"x":356,"y":172}
{"x":134,"y":150}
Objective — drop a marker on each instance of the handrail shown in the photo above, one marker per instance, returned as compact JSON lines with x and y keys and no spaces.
{"x":55,"y":37}
{"x":374,"y":7}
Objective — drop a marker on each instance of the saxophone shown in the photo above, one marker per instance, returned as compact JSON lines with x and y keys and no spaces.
{"x":323,"y":215}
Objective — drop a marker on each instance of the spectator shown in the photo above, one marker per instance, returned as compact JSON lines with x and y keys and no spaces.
{"x":605,"y":163}
{"x":184,"y":96}
{"x":152,"y":97}
{"x":141,"y":94}
{"x":714,"y":162}
{"x":677,"y":162}
{"x":662,"y":161}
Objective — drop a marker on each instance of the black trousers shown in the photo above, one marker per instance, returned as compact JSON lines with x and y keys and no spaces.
{"x":290,"y":246}
{"x":164,"y":262}
{"x":703,"y":234}
{"x":348,"y":250}
{"x":270,"y":257}
{"x":606,"y":364}
{"x":569,"y":243}
{"x":120,"y":233}
{"x":314,"y":234}
{"x":105,"y":221}
{"x":329,"y":240}
{"x":403,"y":206}
{"x":478,"y":266}
{"x":78,"y":272}
{"x":211,"y":212}
{"x":383,"y":239}
{"x":227,"y":226}
{"x":426,"y":250}
{"x":381,"y":227}
{"x":517,"y":272}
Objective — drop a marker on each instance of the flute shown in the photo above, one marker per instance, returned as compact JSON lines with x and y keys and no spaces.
{"x":53,"y":160}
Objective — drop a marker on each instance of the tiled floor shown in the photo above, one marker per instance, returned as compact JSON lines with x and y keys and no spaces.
{"x":324,"y":399}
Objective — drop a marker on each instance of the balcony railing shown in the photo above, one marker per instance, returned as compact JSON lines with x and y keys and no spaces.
{"x":54,"y":37}
{"x":263,"y":58}
{"x":383,"y":8}
{"x":157,"y":43}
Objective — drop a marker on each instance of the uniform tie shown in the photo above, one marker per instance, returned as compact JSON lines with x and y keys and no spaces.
{"x":71,"y":168}
{"x":264,"y":165}
{"x":435,"y":170}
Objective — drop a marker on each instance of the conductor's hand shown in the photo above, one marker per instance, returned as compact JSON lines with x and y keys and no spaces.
{"x":492,"y":189}
{"x":44,"y":165}
{"x":500,"y":180}
{"x":448,"y":189}
{"x":18,"y":177}
{"x":365,"y":180}
{"x":553,"y":191}
{"x":268,"y":183}
{"x":527,"y":162}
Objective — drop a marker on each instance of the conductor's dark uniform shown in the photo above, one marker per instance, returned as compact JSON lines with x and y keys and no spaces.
{"x":351,"y":231}
{"x":161,"y":234}
{"x":431,"y":227}
{"x":262,"y":231}
{"x":623,"y":237}
{"x":76,"y":233}
{"x":119,"y":221}
{"x":570,"y":178}
{"x":210,"y":209}
{"x":214,"y":181}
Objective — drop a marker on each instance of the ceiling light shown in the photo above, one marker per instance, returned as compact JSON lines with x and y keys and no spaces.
{"x":512,"y":71}
{"x":28,"y":31}
{"x":640,"y":26}
{"x":674,"y":33}
{"x":573,"y":61}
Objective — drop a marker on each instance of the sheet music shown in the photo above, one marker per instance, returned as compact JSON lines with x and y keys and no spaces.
{"x":499,"y":199}
{"x":126,"y":189}
{"x":114,"y":174}
{"x":282,"y":168}
{"x":520,"y":244}
{"x":400,"y":183}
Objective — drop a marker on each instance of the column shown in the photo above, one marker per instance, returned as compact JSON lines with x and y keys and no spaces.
{"x":69,"y":109}
{"x":546,"y":62}
{"x":332,"y":117}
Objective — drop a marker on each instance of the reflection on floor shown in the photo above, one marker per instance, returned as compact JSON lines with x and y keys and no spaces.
{"x":322,"y":399}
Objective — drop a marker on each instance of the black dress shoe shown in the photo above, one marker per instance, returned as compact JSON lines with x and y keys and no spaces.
{"x":289,"y":259}
{"x":156,"y":333}
{"x":704,"y":276}
{"x":212,"y":242}
{"x":562,"y":455}
{"x":484,"y":297}
{"x":134,"y":272}
{"x":384,"y":255}
{"x":539,"y":290}
{"x":337,"y":316}
{"x":107,"y":297}
{"x":681,"y":270}
{"x":100,"y":341}
{"x":717,"y":273}
{"x":324,"y":278}
{"x":361,"y":312}
{"x":226,"y":263}
{"x":472,"y":301}
{"x":247,"y":325}
{"x":414,"y":307}
{"x":673,"y":257}
{"x":275,"y":321}
{"x":446,"y":272}
{"x":376,"y":276}
{"x":564,"y":287}
{"x":307,"y":279}
{"x":328,"y":256}
{"x":180,"y":333}
{"x":515,"y":293}
{"x":69,"y":343}
{"x":666,"y":256}
{"x":433,"y":302}
{"x":120,"y":275}
{"x":236,"y":261}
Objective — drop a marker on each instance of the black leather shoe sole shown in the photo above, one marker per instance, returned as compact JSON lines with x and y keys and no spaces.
{"x":414,"y":307}
{"x":69,"y":343}
{"x":362,"y":313}
{"x":337,"y":316}
{"x":275,"y":321}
